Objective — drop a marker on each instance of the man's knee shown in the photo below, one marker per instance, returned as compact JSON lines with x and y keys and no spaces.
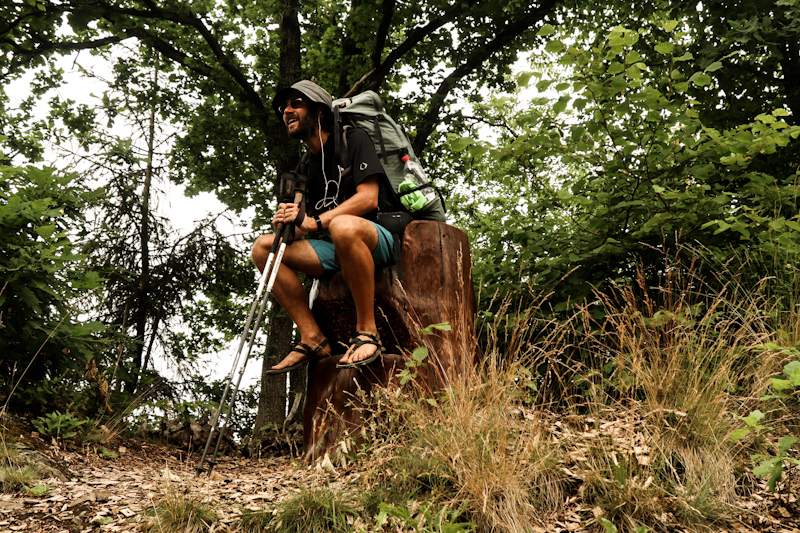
{"x":261,"y":248}
{"x":347,"y":229}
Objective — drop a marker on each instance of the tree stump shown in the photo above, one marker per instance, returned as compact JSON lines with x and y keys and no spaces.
{"x":436,"y":287}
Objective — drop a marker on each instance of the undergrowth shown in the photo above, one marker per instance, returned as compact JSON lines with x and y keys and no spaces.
{"x":315,"y":510}
{"x":180,"y":513}
{"x":629,"y":418}
{"x":632,"y":419}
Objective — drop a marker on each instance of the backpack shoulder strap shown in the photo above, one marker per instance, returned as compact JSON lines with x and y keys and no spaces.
{"x":340,"y":134}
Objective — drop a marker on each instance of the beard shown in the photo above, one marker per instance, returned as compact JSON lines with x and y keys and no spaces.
{"x":304,"y":128}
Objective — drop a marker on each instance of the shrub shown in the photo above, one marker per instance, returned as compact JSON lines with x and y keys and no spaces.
{"x":41,"y":341}
{"x":629,"y":412}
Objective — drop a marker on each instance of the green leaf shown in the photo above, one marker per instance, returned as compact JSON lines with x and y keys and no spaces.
{"x":716,"y":65}
{"x":670,"y":25}
{"x":739,"y":434}
{"x":608,"y":525}
{"x":554,"y":46}
{"x":664,"y":48}
{"x":785,"y":444}
{"x":754,"y":418}
{"x":419,"y":354}
{"x":524,"y":78}
{"x":781,"y":384}
{"x":546,"y":30}
{"x":792,"y":369}
{"x":793,"y":224}
{"x":633,"y":57}
{"x":615,"y":68}
{"x":442,"y":326}
{"x":560,"y":106}
{"x":700,"y":79}
{"x":460,"y":143}
{"x":46,"y":231}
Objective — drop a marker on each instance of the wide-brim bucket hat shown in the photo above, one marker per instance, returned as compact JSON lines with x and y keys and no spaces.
{"x":310,"y":90}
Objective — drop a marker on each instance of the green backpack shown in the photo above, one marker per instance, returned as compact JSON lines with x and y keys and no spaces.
{"x":365,"y":111}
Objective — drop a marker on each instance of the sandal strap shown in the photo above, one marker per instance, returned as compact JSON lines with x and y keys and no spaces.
{"x":307,"y":350}
{"x":304,"y":349}
{"x":355,"y":342}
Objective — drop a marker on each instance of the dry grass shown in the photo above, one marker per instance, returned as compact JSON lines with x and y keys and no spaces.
{"x":180,"y":513}
{"x":315,"y":510}
{"x":627,"y":417}
{"x":22,"y":469}
{"x":472,"y":444}
{"x":17,"y":478}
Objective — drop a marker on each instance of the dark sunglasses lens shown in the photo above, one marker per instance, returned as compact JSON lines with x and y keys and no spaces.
{"x":294,"y":104}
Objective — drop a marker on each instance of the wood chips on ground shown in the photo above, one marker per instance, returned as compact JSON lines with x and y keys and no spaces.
{"x":113,"y":495}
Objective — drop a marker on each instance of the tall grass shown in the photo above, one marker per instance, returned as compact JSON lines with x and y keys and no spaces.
{"x":628,"y":415}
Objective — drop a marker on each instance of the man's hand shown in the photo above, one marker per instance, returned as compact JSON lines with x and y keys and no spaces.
{"x":364,"y":201}
{"x":285,"y":214}
{"x":288,"y":213}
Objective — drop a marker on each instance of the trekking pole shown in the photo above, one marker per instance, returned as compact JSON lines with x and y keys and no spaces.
{"x":293,"y":189}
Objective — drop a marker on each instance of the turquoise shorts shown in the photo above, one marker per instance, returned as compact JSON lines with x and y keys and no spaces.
{"x":383,"y":254}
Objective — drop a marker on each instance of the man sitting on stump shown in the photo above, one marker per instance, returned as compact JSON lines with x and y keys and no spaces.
{"x":342,"y":201}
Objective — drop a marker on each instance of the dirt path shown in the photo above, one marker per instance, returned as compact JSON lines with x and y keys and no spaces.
{"x":100,"y":494}
{"x":97,"y":494}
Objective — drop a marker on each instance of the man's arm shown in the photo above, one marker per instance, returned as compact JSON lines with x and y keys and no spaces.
{"x":363,"y":201}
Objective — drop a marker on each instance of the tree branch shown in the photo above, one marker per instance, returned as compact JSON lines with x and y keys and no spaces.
{"x":503,"y":37}
{"x":66,"y":46}
{"x":488,"y":122}
{"x":414,"y":38}
{"x":246,"y":91}
{"x":387,"y":10}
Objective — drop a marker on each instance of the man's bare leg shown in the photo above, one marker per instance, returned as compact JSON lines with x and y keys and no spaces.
{"x":355,"y":238}
{"x":289,"y":292}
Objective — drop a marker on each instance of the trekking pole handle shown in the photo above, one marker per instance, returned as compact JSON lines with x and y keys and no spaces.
{"x":292,"y":190}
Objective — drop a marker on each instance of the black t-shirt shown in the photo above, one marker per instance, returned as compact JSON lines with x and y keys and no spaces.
{"x":363,"y":162}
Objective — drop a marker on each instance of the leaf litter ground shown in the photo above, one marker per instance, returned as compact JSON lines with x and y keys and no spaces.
{"x":88,"y":493}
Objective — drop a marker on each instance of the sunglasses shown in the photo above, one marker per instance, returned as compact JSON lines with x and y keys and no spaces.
{"x":294,"y":104}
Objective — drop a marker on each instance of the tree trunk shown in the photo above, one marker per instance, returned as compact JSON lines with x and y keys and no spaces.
{"x":272,"y":397}
{"x":143,"y":296}
{"x":436,"y":288}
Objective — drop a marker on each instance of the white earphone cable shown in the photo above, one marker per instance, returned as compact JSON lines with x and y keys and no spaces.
{"x":327,"y":201}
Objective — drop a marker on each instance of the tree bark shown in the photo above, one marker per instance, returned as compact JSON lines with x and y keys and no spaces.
{"x":272,"y":397}
{"x":436,"y":288}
